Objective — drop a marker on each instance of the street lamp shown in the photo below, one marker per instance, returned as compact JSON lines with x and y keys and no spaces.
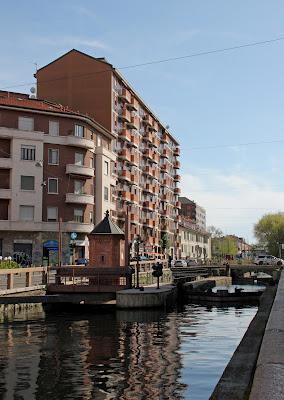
{"x":137,"y":243}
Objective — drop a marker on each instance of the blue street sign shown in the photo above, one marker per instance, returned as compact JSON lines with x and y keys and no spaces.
{"x":73,"y":235}
{"x":51,"y":244}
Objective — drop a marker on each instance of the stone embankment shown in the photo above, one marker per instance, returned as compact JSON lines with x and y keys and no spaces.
{"x":268,"y":382}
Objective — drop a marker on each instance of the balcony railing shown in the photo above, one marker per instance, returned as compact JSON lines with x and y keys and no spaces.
{"x":148,"y":205}
{"x":134,"y":159}
{"x":177,"y":190}
{"x":134,"y":198}
{"x":177,"y":151}
{"x":80,"y":170}
{"x":165,"y":153}
{"x":134,"y":179}
{"x":125,"y":154}
{"x":165,"y":138}
{"x":134,"y":218}
{"x":147,"y":119}
{"x":177,"y":164}
{"x":134,"y":141}
{"x":123,"y":174}
{"x":81,"y":142}
{"x":81,"y":198}
{"x":125,"y":95}
{"x":133,"y":105}
{"x":177,"y":178}
{"x":125,"y":115}
{"x":125,"y":134}
{"x":134,"y":122}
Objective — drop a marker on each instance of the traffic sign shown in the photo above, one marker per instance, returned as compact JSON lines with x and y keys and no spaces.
{"x":73,"y":235}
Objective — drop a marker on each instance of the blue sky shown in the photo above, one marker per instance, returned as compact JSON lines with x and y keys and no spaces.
{"x":221,"y":99}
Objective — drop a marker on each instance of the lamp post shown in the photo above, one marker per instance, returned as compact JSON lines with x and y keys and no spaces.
{"x":138,"y":241}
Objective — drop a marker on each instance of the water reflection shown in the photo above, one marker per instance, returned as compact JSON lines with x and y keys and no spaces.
{"x":124,"y":355}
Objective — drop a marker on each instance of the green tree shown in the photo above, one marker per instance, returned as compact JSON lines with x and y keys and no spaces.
{"x":269,"y":231}
{"x":165,"y":243}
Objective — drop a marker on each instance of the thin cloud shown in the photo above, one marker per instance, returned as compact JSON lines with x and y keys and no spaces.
{"x":233,"y":202}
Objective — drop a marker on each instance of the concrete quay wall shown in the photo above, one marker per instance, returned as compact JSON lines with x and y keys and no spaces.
{"x":268,"y":382}
{"x":149,"y":298}
{"x":237,"y":378}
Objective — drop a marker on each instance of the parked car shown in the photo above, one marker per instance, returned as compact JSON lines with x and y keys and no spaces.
{"x":82,"y":261}
{"x":191,"y":262}
{"x":267,"y":259}
{"x":180,"y":263}
{"x":141,"y":258}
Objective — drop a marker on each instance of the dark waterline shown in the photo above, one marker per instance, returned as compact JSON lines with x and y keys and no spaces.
{"x":125,"y":355}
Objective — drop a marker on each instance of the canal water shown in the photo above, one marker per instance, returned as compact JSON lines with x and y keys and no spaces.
{"x":127,"y":355}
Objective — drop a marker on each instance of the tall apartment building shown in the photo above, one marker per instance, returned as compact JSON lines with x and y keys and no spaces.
{"x":147,"y":154}
{"x":193,"y":212}
{"x":54,"y":164}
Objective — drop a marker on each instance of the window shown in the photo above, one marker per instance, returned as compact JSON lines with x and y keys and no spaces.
{"x":53,"y":128}
{"x":27,"y":182}
{"x":99,"y":140}
{"x":79,"y":131}
{"x":78,"y":215}
{"x":52,"y":214}
{"x":78,"y":187}
{"x":105,"y":193}
{"x":106,"y":168}
{"x":27,"y":152}
{"x":26,"y":124}
{"x":53,"y":156}
{"x":91,"y":162}
{"x":53,"y":185}
{"x":91,"y":217}
{"x":79,"y":158}
{"x":26,"y":213}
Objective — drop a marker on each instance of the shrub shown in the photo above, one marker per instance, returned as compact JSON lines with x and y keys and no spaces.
{"x":8,"y":264}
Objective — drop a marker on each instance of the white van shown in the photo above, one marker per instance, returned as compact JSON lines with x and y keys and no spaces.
{"x":267,"y":259}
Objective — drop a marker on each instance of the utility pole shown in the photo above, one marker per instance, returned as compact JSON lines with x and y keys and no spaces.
{"x":138,"y":241}
{"x":59,"y":243}
{"x":126,"y":243}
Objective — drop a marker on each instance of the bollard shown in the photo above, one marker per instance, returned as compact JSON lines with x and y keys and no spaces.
{"x":10,"y":281}
{"x":28,"y":279}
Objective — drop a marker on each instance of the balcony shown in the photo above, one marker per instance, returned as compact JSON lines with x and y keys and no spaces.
{"x":134,"y":159}
{"x":178,"y":204}
{"x":134,"y":122}
{"x":165,"y":153}
{"x":165,"y":197}
{"x":79,"y":198}
{"x":77,"y":141}
{"x":125,"y":95}
{"x":166,"y":182}
{"x":151,"y":223}
{"x":148,"y":205}
{"x":134,"y":179}
{"x":6,"y":194}
{"x":177,"y":178}
{"x":148,"y":120}
{"x":176,"y":164}
{"x":177,"y":190}
{"x":125,"y":154}
{"x":80,"y":170}
{"x":177,"y":151}
{"x":165,"y":167}
{"x":5,"y":163}
{"x":125,"y":195}
{"x":133,"y":105}
{"x":154,"y":126}
{"x":126,"y":175}
{"x":134,"y":218}
{"x":165,"y":138}
{"x":155,"y":141}
{"x":125,"y":134}
{"x":134,"y":198}
{"x":151,"y":189}
{"x":125,"y":115}
{"x":148,"y":137}
{"x":134,"y":141}
{"x":148,"y":153}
